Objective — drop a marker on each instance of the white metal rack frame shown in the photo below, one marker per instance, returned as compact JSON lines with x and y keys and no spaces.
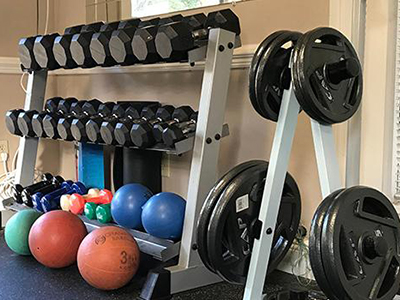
{"x":329,"y":176}
{"x":189,"y":272}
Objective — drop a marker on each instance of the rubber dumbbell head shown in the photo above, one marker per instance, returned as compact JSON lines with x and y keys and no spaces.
{"x":99,"y":45}
{"x":61,"y":47}
{"x":43,"y":51}
{"x":26,"y":56}
{"x":143,"y":43}
{"x":121,"y":41}
{"x":173,"y":41}
{"x":64,"y":106}
{"x":142,"y":132}
{"x":180,"y":114}
{"x":179,"y":131}
{"x":51,"y":185}
{"x":25,"y":123}
{"x":51,"y":104}
{"x":37,"y":124}
{"x":80,"y":46}
{"x":12,"y":121}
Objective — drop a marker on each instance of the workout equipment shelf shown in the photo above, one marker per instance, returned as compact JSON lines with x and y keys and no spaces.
{"x":160,"y":249}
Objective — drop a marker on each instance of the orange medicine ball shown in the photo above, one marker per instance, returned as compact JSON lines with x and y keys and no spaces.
{"x":108,"y":258}
{"x":55,"y":237}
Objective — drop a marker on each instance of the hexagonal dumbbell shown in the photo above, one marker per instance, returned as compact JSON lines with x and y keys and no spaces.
{"x":50,"y":121}
{"x":180,"y":114}
{"x":173,"y":41}
{"x":64,"y":125}
{"x":121,"y":41}
{"x":142,"y":132}
{"x":180,"y":131}
{"x":80,"y":45}
{"x":12,"y":121}
{"x":61,"y":47}
{"x":100,"y":43}
{"x":94,"y":125}
{"x":122,"y":128}
{"x":43,"y":51}
{"x":26,"y":56}
{"x":143,"y":44}
{"x":37,"y":119}
{"x":78,"y":126}
{"x":25,"y":123}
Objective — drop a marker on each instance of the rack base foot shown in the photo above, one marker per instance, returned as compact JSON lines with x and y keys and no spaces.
{"x":157,"y":285}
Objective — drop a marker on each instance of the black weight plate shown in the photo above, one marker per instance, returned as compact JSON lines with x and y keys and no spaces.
{"x":358,"y":215}
{"x":231,"y":228}
{"x":323,"y":100}
{"x":208,"y":206}
{"x":315,"y":246}
{"x":273,"y":65}
{"x":254,"y":67}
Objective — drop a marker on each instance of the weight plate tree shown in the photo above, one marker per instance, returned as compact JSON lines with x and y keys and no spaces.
{"x":229,"y":223}
{"x":358,"y":245}
{"x":270,"y":74}
{"x":327,"y":76}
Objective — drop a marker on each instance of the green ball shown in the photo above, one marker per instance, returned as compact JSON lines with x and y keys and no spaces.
{"x":17,"y":230}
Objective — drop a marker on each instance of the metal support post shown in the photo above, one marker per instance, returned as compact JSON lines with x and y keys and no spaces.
{"x":28,"y":146}
{"x":190,"y":272}
{"x":276,"y":174}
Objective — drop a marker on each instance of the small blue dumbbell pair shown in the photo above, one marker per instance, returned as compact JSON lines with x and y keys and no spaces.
{"x":51,"y":201}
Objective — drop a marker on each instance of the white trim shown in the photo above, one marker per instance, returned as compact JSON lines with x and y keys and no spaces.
{"x":9,"y":65}
{"x":241,"y":60}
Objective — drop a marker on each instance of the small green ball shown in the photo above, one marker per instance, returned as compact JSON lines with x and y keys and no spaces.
{"x":17,"y":230}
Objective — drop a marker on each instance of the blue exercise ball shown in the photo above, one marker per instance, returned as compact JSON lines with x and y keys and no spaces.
{"x":126,"y":205}
{"x":163,"y":215}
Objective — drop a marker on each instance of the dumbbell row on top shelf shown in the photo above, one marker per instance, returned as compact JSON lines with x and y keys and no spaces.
{"x":140,"y":124}
{"x":124,"y":42}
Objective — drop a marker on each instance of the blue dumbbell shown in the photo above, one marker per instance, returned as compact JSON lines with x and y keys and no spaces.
{"x":52,"y":201}
{"x":38,"y":196}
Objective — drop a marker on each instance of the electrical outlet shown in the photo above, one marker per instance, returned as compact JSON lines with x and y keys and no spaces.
{"x":4,"y":146}
{"x":165,"y":166}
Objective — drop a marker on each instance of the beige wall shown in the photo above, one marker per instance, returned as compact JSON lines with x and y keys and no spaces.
{"x":251,"y":135}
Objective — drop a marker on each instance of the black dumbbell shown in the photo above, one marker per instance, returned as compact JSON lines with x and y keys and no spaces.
{"x":85,"y":109}
{"x":143,"y":44}
{"x":17,"y":189}
{"x":29,"y":191}
{"x":25,"y":52}
{"x":43,"y":51}
{"x":78,"y":126}
{"x":61,"y":47}
{"x":80,"y":45}
{"x":142,"y":131}
{"x":107,"y":129}
{"x":100,"y":43}
{"x":181,"y":114}
{"x":37,"y":119}
{"x":178,"y":53}
{"x":50,"y":121}
{"x":12,"y":121}
{"x":25,"y":124}
{"x":180,"y":131}
{"x":121,"y":42}
{"x":122,"y":128}
{"x":173,"y":41}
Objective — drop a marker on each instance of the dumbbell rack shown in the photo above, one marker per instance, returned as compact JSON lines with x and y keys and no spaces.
{"x":190,"y":272}
{"x":329,"y":177}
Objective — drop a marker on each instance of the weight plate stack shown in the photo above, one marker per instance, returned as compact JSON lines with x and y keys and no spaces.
{"x":269,"y":73}
{"x":355,"y":245}
{"x":229,"y":222}
{"x":327,"y":76}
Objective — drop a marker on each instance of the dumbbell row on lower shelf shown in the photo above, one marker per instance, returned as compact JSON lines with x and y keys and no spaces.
{"x":124,"y":42}
{"x":139,"y":124}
